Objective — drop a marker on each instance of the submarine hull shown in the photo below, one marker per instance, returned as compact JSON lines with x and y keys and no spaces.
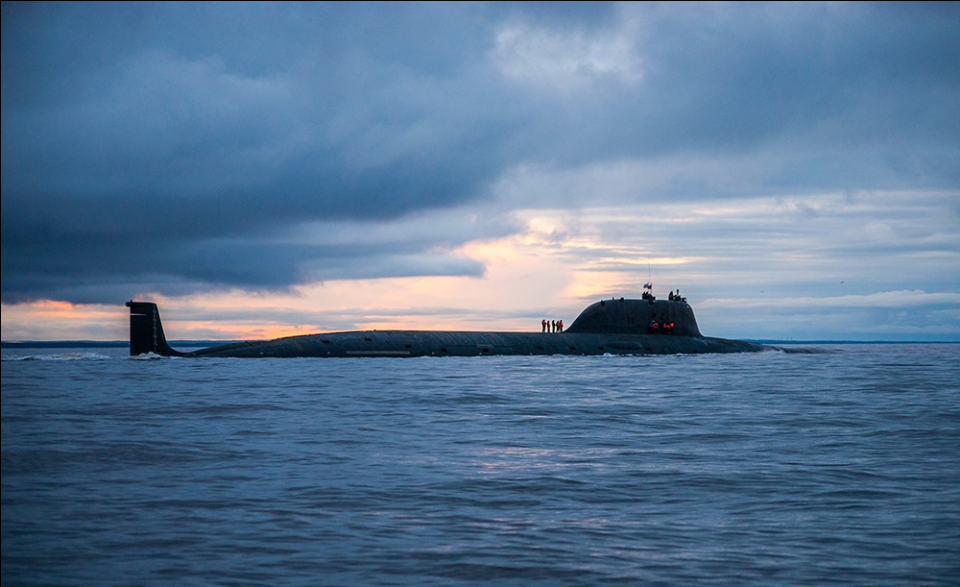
{"x":617,"y":327}
{"x":469,"y":344}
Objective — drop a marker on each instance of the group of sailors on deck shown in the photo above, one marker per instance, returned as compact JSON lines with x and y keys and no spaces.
{"x":551,"y":325}
{"x":673,"y":297}
{"x":655,"y":327}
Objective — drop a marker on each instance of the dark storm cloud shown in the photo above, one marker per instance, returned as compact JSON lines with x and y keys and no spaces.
{"x":174,"y":147}
{"x":134,"y":136}
{"x":857,"y":95}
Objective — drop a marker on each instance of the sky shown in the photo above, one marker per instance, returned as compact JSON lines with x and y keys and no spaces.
{"x":266,"y":169}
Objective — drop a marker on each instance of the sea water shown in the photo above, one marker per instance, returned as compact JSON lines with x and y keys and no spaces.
{"x":838,"y":467}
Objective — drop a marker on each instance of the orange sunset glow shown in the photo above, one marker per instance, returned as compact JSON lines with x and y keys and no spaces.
{"x":546,"y":271}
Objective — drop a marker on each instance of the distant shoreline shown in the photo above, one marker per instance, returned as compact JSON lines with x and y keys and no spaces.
{"x":96,"y":344}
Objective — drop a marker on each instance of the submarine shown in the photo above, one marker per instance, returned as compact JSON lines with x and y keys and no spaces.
{"x":617,"y":326}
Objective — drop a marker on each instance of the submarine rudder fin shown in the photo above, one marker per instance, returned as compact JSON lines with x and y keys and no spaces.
{"x":146,"y":331}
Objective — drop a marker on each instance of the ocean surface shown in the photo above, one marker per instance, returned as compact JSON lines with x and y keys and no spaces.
{"x":839,"y":467}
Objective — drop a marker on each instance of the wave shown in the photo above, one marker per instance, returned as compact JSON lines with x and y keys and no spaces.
{"x":69,"y":356}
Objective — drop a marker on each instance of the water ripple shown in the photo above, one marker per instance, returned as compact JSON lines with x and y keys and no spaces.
{"x":833,"y":467}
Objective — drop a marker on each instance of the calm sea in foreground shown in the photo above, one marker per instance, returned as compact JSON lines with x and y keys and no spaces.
{"x":835,"y":468}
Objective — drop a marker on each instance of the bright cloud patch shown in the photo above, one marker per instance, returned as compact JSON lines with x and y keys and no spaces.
{"x":565,"y":60}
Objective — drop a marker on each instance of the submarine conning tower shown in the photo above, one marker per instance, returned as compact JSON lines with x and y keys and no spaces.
{"x":624,"y":316}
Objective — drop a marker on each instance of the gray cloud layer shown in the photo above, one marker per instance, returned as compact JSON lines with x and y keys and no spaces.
{"x":176,"y":147}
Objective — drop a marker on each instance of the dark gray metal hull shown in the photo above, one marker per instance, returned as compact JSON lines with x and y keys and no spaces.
{"x":405,"y":343}
{"x":618,"y":327}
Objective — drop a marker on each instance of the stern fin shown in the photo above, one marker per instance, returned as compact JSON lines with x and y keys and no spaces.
{"x":146,"y":331}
